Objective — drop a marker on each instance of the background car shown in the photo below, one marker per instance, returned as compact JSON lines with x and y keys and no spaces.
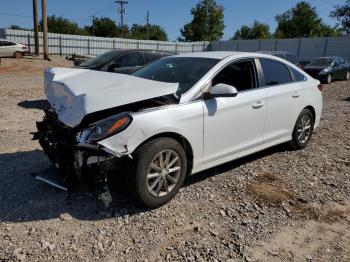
{"x":12,"y":49}
{"x":123,"y":60}
{"x":291,"y":57}
{"x":327,"y":69}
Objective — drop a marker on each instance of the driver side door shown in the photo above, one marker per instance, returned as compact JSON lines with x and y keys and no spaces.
{"x":234,"y":124}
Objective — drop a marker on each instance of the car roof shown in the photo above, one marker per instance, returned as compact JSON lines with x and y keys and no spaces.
{"x":222,"y":54}
{"x":275,"y":52}
{"x":327,"y":57}
{"x":143,"y":50}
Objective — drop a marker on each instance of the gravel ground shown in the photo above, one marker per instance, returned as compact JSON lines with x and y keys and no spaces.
{"x":277,"y":205}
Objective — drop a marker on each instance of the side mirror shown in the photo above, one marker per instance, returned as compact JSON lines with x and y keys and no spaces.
{"x":223,"y":90}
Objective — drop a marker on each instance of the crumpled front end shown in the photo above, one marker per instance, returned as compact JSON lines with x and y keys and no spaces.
{"x":73,"y":160}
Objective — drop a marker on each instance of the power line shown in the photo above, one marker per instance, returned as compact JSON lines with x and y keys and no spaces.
{"x":16,"y":15}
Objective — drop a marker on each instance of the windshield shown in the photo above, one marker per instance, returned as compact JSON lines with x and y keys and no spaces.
{"x":186,"y":71}
{"x":321,"y":62}
{"x":101,"y":59}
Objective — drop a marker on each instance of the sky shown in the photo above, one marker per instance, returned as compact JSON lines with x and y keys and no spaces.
{"x":171,"y":15}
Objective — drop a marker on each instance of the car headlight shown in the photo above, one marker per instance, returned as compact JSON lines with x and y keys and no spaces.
{"x":326,"y":70}
{"x":107,"y":127}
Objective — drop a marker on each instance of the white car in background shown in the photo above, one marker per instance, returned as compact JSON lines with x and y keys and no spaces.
{"x":12,"y":49}
{"x":174,"y":117}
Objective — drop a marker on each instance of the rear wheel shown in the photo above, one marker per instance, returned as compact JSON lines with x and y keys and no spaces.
{"x":303,"y":129}
{"x":18,"y":55}
{"x":159,"y":172}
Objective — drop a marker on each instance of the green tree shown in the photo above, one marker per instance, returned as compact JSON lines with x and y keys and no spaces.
{"x":207,"y":23}
{"x":155,"y":32}
{"x":342,"y":14}
{"x":256,"y":31}
{"x":61,"y":25}
{"x":302,"y":21}
{"x":106,"y":27}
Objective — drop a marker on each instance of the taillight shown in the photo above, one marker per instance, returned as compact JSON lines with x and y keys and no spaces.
{"x":320,"y":87}
{"x":300,"y":66}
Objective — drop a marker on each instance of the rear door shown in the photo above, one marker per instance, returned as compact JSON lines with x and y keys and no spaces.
{"x":284,"y":98}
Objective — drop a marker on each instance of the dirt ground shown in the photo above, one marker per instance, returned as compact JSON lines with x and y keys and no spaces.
{"x":277,"y":205}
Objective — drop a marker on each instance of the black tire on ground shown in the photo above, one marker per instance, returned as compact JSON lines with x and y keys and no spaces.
{"x":296,"y":143}
{"x":347,"y":75}
{"x":329,"y":79}
{"x":18,"y":55}
{"x":144,"y":157}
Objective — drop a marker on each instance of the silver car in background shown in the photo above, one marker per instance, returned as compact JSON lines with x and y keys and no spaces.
{"x":12,"y":49}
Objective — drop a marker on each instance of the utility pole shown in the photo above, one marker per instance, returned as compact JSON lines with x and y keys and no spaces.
{"x":122,"y":11}
{"x":44,"y":17}
{"x":36,"y":27}
{"x":93,"y":25}
{"x":147,"y":25}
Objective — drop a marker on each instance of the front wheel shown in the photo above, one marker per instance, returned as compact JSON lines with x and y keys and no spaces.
{"x":328,"y":79}
{"x":302,"y":131}
{"x":347,"y":75}
{"x":18,"y":55}
{"x":160,"y":170}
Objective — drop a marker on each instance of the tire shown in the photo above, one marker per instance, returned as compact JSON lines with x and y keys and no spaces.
{"x":299,"y":141}
{"x":145,"y":175}
{"x":329,"y":79}
{"x":347,"y":76}
{"x":18,"y":55}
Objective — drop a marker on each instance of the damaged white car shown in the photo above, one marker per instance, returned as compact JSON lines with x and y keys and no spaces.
{"x":174,"y":117}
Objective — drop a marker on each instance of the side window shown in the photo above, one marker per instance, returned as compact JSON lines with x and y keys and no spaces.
{"x":297,"y":75}
{"x":292,"y":58}
{"x":241,"y":75}
{"x":151,"y":56}
{"x":130,"y":60}
{"x":6,"y":43}
{"x":275,"y":73}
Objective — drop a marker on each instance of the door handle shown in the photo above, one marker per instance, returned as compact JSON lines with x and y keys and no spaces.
{"x":296,"y":95}
{"x":258,"y":104}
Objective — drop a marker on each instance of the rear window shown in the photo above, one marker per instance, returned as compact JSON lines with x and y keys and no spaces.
{"x":275,"y":73}
{"x":292,"y":58}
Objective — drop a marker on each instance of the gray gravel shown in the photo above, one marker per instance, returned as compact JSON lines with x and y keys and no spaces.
{"x":277,"y":205}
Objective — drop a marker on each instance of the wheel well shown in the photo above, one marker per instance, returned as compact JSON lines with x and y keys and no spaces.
{"x":182,"y":141}
{"x":312,"y":111}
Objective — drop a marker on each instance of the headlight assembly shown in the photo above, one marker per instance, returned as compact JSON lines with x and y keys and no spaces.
{"x":107,"y":127}
{"x":325,"y":71}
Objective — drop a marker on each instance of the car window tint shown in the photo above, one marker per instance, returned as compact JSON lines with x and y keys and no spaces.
{"x":291,"y":58}
{"x":275,"y":72}
{"x":241,"y":75}
{"x":6,"y":43}
{"x":342,"y":60}
{"x":297,"y":75}
{"x":130,"y":60}
{"x":151,"y":56}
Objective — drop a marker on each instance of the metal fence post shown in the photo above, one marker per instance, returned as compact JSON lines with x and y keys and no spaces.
{"x":259,"y":46}
{"x":220,"y":45}
{"x":157,"y":45}
{"x":276,"y":43}
{"x":88,"y":46}
{"x":325,"y":47}
{"x":238,"y":44}
{"x":60,"y":44}
{"x":299,"y":48}
{"x":113,"y":43}
{"x":176,"y":48}
{"x":29,"y":46}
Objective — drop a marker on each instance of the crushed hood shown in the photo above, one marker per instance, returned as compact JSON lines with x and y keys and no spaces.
{"x":75,"y":93}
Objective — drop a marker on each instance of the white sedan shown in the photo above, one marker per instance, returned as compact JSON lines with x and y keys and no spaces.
{"x":175,"y":117}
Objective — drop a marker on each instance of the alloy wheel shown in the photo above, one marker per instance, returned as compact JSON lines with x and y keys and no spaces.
{"x":329,"y":79}
{"x":163,"y":173}
{"x":304,"y":129}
